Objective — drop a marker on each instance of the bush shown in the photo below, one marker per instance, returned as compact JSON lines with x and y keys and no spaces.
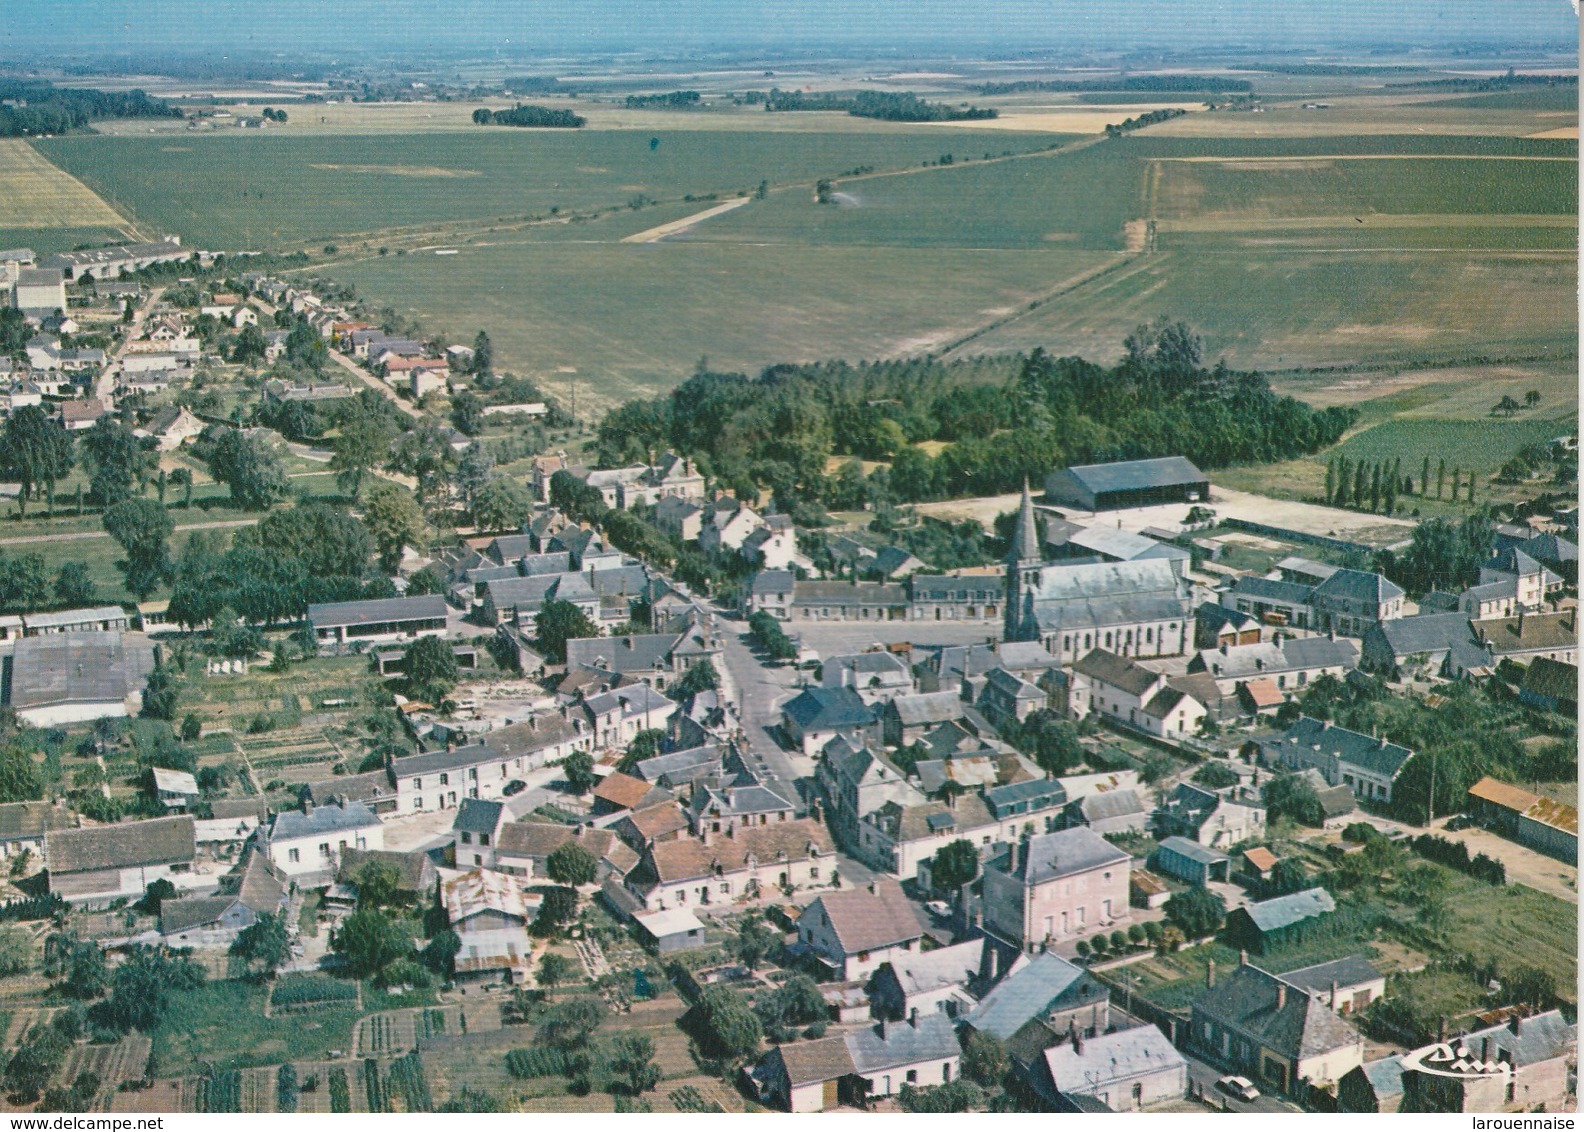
{"x":536,"y":1061}
{"x":1082,"y":948}
{"x":1136,"y":933}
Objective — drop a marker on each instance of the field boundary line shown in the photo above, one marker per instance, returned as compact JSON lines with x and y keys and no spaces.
{"x":677,"y":227}
{"x":1061,"y":290}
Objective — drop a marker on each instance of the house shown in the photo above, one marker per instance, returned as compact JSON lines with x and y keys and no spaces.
{"x":1530,"y":582}
{"x":1115,"y":811}
{"x":1191,"y":862}
{"x":857,"y":781}
{"x":615,"y":718}
{"x":1007,"y":698}
{"x":1365,"y":764}
{"x":1124,"y":1071}
{"x":442,"y":779}
{"x":855,"y":930}
{"x":815,"y":716}
{"x":1254,"y":1023}
{"x":171,"y":428}
{"x":687,"y":767}
{"x":769,"y":591}
{"x":901,"y":838}
{"x":1441,"y":644}
{"x":727,"y":524}
{"x":490,"y":913}
{"x":892,"y":563}
{"x":743,"y":802}
{"x":745,"y":861}
{"x":1290,"y":662}
{"x":970,"y":594}
{"x":1210,"y":817}
{"x":306,"y":843}
{"x":414,"y":870}
{"x":98,"y":864}
{"x":1216,"y":625}
{"x":1541,"y":824}
{"x":805,"y":1076}
{"x":254,"y":889}
{"x":1350,"y":601}
{"x":24,"y":824}
{"x":921,"y":1052}
{"x":907,"y":719}
{"x":877,"y":677}
{"x":79,"y":416}
{"x":1531,"y":635}
{"x":1518,"y":1066}
{"x":1271,"y":923}
{"x":680,"y":518}
{"x":1127,"y":483}
{"x":1054,"y":887}
{"x":39,"y":291}
{"x":1374,"y":1086}
{"x":774,"y":546}
{"x":929,"y":982}
{"x":671,"y":930}
{"x":848,"y":601}
{"x":63,"y":677}
{"x":1040,"y":998}
{"x":1550,"y":685}
{"x":382,"y":619}
{"x":1345,"y":985}
{"x":523,"y":848}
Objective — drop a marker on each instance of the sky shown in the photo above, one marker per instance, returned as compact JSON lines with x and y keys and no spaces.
{"x":477,"y":27}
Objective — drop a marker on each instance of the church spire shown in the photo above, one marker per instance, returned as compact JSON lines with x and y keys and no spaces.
{"x":1025,"y":536}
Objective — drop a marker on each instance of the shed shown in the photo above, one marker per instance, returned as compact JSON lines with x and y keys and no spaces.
{"x":1189,"y":861}
{"x":1128,"y":483}
{"x":670,"y":930}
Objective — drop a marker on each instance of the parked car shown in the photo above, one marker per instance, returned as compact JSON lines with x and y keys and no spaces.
{"x":1240,"y":1087}
{"x":938,"y":908}
{"x":1461,"y":821}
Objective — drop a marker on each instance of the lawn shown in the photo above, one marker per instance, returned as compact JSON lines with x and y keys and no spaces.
{"x":276,"y":189}
{"x":224,"y":1022}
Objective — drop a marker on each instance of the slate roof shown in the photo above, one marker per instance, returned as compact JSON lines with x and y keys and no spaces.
{"x":429,"y":762}
{"x":1112,"y":804}
{"x":641,"y":653}
{"x":179,"y":915}
{"x":331,"y":817}
{"x":430,"y":607}
{"x":1029,"y":991}
{"x":78,"y":667}
{"x":1063,"y":853}
{"x":867,"y":921}
{"x":261,"y":885}
{"x":1191,"y":850}
{"x":679,"y":765}
{"x":1293,"y":593}
{"x":876,"y":1048}
{"x":953,"y":966}
{"x":1106,"y":1059}
{"x":825,"y":709}
{"x":1358,"y":585}
{"x":478,"y":815}
{"x":927,"y":707}
{"x":849,"y":593}
{"x":1385,"y":1075}
{"x":159,"y":841}
{"x":1294,"y":908}
{"x":1540,"y":1037}
{"x":1240,"y":662}
{"x":1347,"y":972}
{"x":1246,"y":999}
{"x":1134,"y":475}
{"x":1531,"y":631}
{"x":1019,"y":797}
{"x":771,"y":582}
{"x":1117,"y":671}
{"x":1425,"y":633}
{"x":1377,"y":756}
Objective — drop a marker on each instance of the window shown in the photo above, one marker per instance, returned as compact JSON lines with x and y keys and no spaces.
{"x":814,"y":873}
{"x":445,"y":780}
{"x":467,"y":838}
{"x":293,"y":855}
{"x":324,"y":849}
{"x":484,"y":839}
{"x":417,"y":803}
{"x":418,"y":784}
{"x":912,"y":1076}
{"x":477,"y":860}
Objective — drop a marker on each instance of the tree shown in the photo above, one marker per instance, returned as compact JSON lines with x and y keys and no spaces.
{"x":559,"y":622}
{"x":483,"y":353}
{"x":250,"y":346}
{"x":115,"y":460}
{"x":1289,"y":875}
{"x":286,"y":1088}
{"x":74,"y":585}
{"x":34,"y":451}
{"x":20,"y":780}
{"x":767,"y":632}
{"x":1507,"y":406}
{"x":394,"y":520}
{"x":1049,"y":740}
{"x":632,"y":1056}
{"x":140,"y":990}
{"x":481,"y":117}
{"x":579,"y":770}
{"x":431,"y":668}
{"x":16,"y":952}
{"x":502,"y":504}
{"x":555,"y":969}
{"x":954,"y":1096}
{"x":35,"y":1063}
{"x":572,"y":865}
{"x":1198,"y":912}
{"x":1290,"y":796}
{"x":467,"y":413}
{"x":1532,"y":987}
{"x":755,"y":941}
{"x":796,"y":1002}
{"x":368,"y":940}
{"x":156,"y":894}
{"x":559,"y":907}
{"x":252,"y":471}
{"x":729,"y":1029}
{"x":377,"y":885}
{"x":363,"y":443}
{"x":1424,"y":478}
{"x":954,"y":866}
{"x":142,"y":528}
{"x":1532,"y":398}
{"x":699,"y":677}
{"x":984,"y":1059}
{"x":263,"y":944}
{"x":1215,"y":776}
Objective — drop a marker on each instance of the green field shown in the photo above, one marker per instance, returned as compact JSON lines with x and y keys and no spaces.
{"x":262,"y":191}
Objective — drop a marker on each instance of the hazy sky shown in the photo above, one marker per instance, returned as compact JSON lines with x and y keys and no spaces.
{"x":345,"y":26}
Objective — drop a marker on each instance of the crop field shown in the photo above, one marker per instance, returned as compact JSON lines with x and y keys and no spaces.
{"x":232,"y":192}
{"x":224,"y":1022}
{"x":36,"y":194}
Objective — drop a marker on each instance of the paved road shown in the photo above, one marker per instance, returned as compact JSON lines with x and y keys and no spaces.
{"x":104,"y":388}
{"x":1204,"y":1075}
{"x":759,"y":692}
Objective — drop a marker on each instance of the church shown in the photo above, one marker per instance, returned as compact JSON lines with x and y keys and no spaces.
{"x":1136,"y":609}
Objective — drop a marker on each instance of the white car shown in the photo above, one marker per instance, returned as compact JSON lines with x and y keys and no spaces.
{"x":1240,"y":1087}
{"x":938,"y":908}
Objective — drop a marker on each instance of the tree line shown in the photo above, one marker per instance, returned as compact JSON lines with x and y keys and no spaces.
{"x":28,"y":109}
{"x":884,"y":105}
{"x":542,"y":117}
{"x":674,"y":100}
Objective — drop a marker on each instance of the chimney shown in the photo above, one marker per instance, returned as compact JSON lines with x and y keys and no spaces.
{"x":1335,"y":991}
{"x":1210,"y":972}
{"x":704,"y":835}
{"x":307,"y":806}
{"x":577,"y":830}
{"x":1441,"y":1030}
{"x":882,"y":1028}
{"x":1243,"y":959}
{"x":874,"y":889}
{"x":1223,"y":648}
{"x":1487,"y":1048}
{"x":1281,"y":995}
{"x":913,"y":1018}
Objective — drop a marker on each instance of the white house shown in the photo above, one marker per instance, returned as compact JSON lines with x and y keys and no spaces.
{"x":306,"y":843}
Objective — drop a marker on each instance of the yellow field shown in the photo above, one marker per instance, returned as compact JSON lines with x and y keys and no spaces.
{"x":1070,"y":119}
{"x":36,"y":194}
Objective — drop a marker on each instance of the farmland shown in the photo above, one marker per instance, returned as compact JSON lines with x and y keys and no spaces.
{"x":35,"y":194}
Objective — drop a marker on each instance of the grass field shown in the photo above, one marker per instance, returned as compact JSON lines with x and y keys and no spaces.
{"x":37,"y":194}
{"x":224,"y":1022}
{"x":281,"y":190}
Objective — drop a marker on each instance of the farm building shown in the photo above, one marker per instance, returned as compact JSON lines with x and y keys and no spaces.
{"x":1189,"y":861}
{"x":490,"y":914}
{"x":1550,"y":685}
{"x":73,"y":677}
{"x":1128,"y":483}
{"x":24,"y":824}
{"x":1270,"y":923}
{"x":670,"y":930}
{"x":1542,"y":824}
{"x":872,"y":1062}
{"x":101,"y":863}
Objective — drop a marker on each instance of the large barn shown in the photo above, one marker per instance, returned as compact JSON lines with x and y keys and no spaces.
{"x":1128,"y":483}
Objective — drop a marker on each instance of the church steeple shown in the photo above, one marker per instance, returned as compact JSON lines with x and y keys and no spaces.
{"x":1025,"y":547}
{"x":1023,"y":556}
